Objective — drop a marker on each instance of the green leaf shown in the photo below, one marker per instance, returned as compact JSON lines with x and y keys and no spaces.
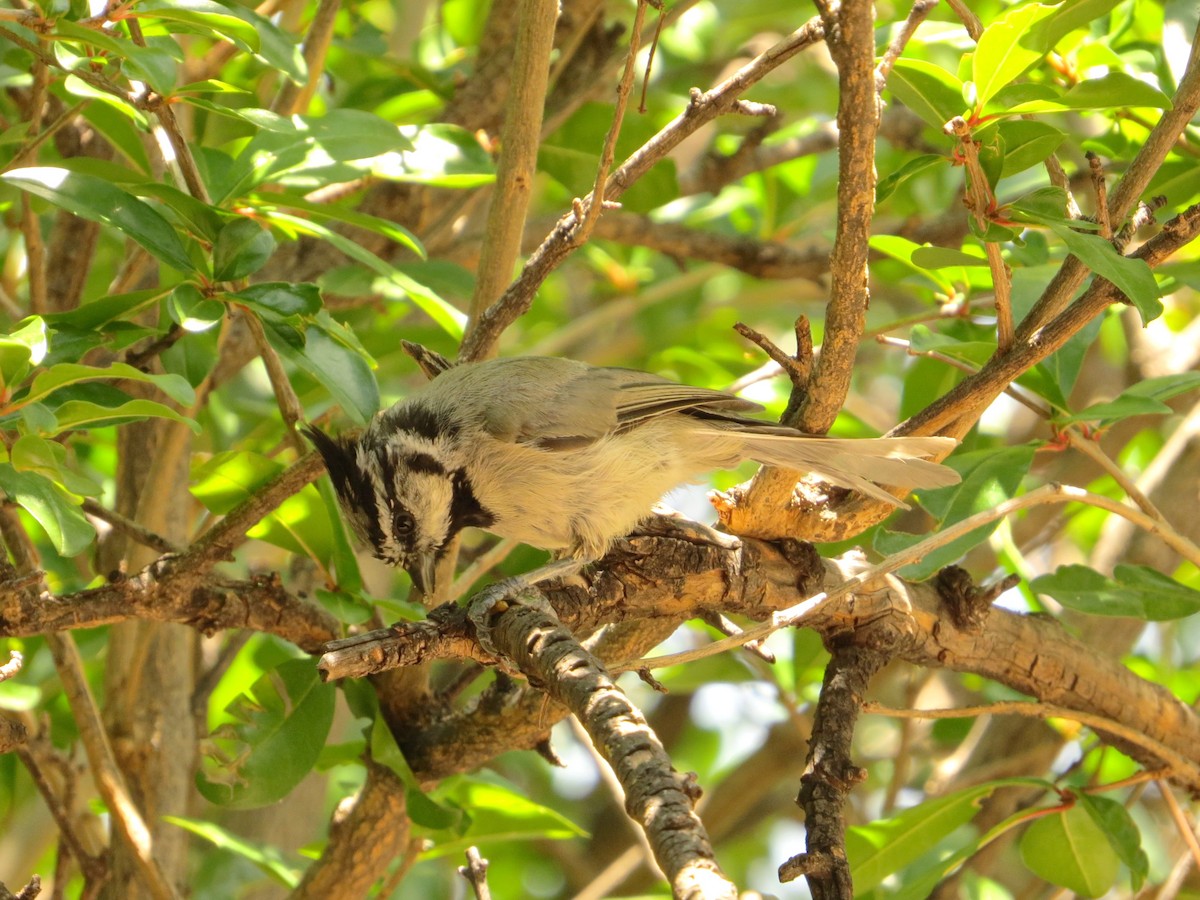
{"x":1122,"y":833}
{"x":191,"y":310}
{"x":204,"y":220}
{"x":945,"y":258}
{"x":292,"y":150}
{"x":269,"y":860}
{"x":1069,"y":849}
{"x":989,"y":477}
{"x":500,"y":811}
{"x":886,"y":846}
{"x":100,"y":201}
{"x":254,"y":34}
{"x":243,"y":247}
{"x":203,"y":17}
{"x":21,"y":348}
{"x":1044,"y":206}
{"x":76,"y":413}
{"x":280,"y":298}
{"x":1132,"y":276}
{"x":279,"y":728}
{"x":393,"y":283}
{"x":325,"y":211}
{"x":347,"y":608}
{"x":420,"y":807}
{"x":439,"y":155}
{"x":1027,"y":143}
{"x":225,"y":480}
{"x":342,"y":370}
{"x":49,"y":458}
{"x":1135,"y":591}
{"x":1116,"y":90}
{"x":51,"y":506}
{"x":887,"y":185}
{"x":1145,"y":398}
{"x":928,"y":90}
{"x":93,"y":316}
{"x":1007,"y":48}
{"x":55,"y":377}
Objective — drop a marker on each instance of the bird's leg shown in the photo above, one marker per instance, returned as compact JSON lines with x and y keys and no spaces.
{"x":521,"y":589}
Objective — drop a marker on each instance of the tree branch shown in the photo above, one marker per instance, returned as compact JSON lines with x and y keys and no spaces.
{"x":561,"y":242}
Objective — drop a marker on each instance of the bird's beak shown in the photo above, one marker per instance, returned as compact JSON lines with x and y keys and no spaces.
{"x":422,"y":569}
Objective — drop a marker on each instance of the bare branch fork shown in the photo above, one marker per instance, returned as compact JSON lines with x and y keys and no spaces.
{"x":563,"y":240}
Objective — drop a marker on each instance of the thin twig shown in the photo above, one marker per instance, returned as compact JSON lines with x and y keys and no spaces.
{"x":1176,"y":761}
{"x":1096,"y":170}
{"x":518,"y":161}
{"x":972,"y":22}
{"x":916,"y":15}
{"x":1187,"y":830}
{"x":475,"y":873}
{"x":285,"y":395}
{"x":703,"y":108}
{"x":608,"y":153}
{"x":128,"y":527}
{"x":110,"y":783}
{"x":982,"y":202}
{"x":291,"y":97}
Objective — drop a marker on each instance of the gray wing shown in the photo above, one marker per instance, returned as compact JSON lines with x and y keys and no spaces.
{"x":561,"y":404}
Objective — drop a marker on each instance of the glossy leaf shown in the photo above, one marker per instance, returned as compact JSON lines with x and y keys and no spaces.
{"x":279,"y":728}
{"x":52,"y":507}
{"x":226,"y":479}
{"x":77,"y":413}
{"x":1069,"y":849}
{"x":1122,"y":833}
{"x":64,"y":374}
{"x":35,"y":454}
{"x":1116,"y":90}
{"x":1134,"y":278}
{"x":1144,"y":398}
{"x":1135,"y":591}
{"x":21,"y":348}
{"x":242,"y":248}
{"x":1028,"y":143}
{"x":280,"y":298}
{"x":885,"y":846}
{"x":393,"y":283}
{"x":988,"y":477}
{"x":1007,"y":47}
{"x":928,"y":90}
{"x":266,"y":858}
{"x":101,"y":201}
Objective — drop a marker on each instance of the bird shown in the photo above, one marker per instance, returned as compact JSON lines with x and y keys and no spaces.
{"x":568,"y":457}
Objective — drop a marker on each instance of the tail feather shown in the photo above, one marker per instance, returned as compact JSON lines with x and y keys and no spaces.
{"x":860,"y":464}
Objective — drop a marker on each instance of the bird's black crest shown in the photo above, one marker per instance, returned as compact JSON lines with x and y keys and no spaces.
{"x":465,"y":508}
{"x":416,"y":419}
{"x":351,"y":482}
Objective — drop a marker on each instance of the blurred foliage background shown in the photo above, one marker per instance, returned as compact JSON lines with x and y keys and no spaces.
{"x":200,"y":211}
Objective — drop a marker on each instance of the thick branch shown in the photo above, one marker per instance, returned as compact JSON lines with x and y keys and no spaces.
{"x":656,"y":796}
{"x":1034,"y":655}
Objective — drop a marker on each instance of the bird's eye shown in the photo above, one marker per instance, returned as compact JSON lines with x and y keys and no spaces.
{"x":403,"y":524}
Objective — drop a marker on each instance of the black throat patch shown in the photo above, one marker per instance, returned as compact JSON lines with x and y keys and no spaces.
{"x":465,"y":509}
